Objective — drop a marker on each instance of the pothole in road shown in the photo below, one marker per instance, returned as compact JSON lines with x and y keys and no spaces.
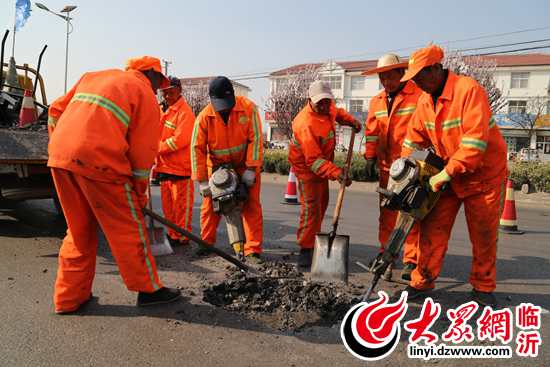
{"x":284,"y":299}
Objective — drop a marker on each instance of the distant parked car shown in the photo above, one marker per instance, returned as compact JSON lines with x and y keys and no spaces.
{"x":279,"y":145}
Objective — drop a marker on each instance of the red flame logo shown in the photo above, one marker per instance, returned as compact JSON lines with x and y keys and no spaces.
{"x":371,"y":331}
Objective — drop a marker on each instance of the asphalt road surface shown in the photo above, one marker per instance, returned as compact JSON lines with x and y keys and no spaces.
{"x":111,"y":331}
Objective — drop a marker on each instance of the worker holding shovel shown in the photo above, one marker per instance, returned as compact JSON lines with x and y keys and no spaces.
{"x":311,"y":153}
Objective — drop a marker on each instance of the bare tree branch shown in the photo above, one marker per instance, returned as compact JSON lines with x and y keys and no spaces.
{"x":289,"y":96}
{"x":196,"y":96}
{"x":480,"y":69}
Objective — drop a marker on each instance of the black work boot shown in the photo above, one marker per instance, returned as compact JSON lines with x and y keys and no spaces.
{"x":413,"y":294}
{"x":161,"y":296}
{"x":305,"y":258}
{"x":407,"y":270}
{"x":484,"y":298}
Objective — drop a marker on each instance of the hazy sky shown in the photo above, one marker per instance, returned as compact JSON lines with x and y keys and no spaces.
{"x":238,"y":37}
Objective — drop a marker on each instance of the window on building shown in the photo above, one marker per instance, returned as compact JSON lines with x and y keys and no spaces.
{"x":355,"y":105}
{"x":520,"y":80}
{"x":334,"y":82}
{"x":357,"y":83}
{"x":517,"y":106}
{"x":281,"y":84}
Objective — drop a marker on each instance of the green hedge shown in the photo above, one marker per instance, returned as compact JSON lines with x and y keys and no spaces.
{"x":534,"y":173}
{"x":276,"y":161}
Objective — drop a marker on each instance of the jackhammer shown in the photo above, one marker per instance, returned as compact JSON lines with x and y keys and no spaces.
{"x":228,"y":196}
{"x":408,"y":192}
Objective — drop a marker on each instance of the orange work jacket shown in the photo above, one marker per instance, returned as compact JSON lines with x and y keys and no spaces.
{"x":174,"y":155}
{"x":385,"y":130}
{"x":463,"y":133}
{"x":106,"y":128}
{"x":238,"y":143}
{"x":311,"y":150}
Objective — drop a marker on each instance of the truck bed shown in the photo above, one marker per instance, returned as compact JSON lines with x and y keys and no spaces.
{"x":23,"y":146}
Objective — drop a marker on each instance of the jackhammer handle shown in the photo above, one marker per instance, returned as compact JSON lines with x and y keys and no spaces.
{"x":345,"y":171}
{"x":196,"y":239}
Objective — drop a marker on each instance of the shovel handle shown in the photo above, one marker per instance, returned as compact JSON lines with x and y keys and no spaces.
{"x":196,"y":239}
{"x":345,"y":171}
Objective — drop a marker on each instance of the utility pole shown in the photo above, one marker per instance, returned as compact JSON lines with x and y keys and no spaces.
{"x":166,"y":63}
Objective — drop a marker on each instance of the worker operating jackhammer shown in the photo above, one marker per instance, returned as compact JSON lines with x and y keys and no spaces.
{"x":454,"y":117}
{"x":104,"y":136}
{"x":227,"y":150}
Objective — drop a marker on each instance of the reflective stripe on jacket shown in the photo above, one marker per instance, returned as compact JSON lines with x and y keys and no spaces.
{"x":106,"y":128}
{"x":384,"y":134}
{"x":463,"y":133}
{"x":311,"y":150}
{"x":238,"y":143}
{"x":174,"y":155}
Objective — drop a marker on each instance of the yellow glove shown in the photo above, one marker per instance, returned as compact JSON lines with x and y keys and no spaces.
{"x":437,"y":181}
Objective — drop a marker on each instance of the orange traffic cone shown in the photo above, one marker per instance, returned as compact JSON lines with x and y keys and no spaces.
{"x":291,"y":194}
{"x":508,"y":221}
{"x":28,"y":111}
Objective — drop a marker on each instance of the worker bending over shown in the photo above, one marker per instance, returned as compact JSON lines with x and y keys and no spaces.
{"x":104,"y":137}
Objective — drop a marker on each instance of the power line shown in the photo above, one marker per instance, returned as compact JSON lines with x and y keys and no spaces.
{"x":509,"y":51}
{"x":260,"y":75}
{"x":267,"y":74}
{"x":504,"y":45}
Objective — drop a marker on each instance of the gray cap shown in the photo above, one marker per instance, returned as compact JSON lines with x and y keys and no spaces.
{"x":319,"y":90}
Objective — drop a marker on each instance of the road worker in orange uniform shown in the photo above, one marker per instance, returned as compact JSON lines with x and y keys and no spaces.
{"x":104,"y":136}
{"x":311,"y":153}
{"x":173,"y":165}
{"x":389,"y":114}
{"x":454,"y":117}
{"x":229,"y":131}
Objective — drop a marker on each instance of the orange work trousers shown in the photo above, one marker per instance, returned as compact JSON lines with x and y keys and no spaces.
{"x":482,"y":216}
{"x":386,"y":223}
{"x":177,"y":204}
{"x":313,"y":205}
{"x":252,"y":220}
{"x":88,"y":204}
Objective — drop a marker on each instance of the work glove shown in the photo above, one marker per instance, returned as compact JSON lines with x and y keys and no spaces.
{"x":356,"y":125}
{"x":438,"y":181}
{"x":204,"y":188}
{"x":341,"y":179}
{"x":249,"y":177}
{"x":371,"y":174}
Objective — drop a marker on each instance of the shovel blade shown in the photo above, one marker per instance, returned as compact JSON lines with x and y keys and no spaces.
{"x":159,"y":242}
{"x":330,"y":260}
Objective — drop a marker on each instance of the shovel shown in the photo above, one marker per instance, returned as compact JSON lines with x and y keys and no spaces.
{"x":159,"y":242}
{"x":331,"y":251}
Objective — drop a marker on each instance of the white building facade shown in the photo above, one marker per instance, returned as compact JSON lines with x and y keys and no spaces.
{"x":519,"y":77}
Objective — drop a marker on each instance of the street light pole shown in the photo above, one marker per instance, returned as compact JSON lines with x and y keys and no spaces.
{"x":67,"y":9}
{"x":67,"y":50}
